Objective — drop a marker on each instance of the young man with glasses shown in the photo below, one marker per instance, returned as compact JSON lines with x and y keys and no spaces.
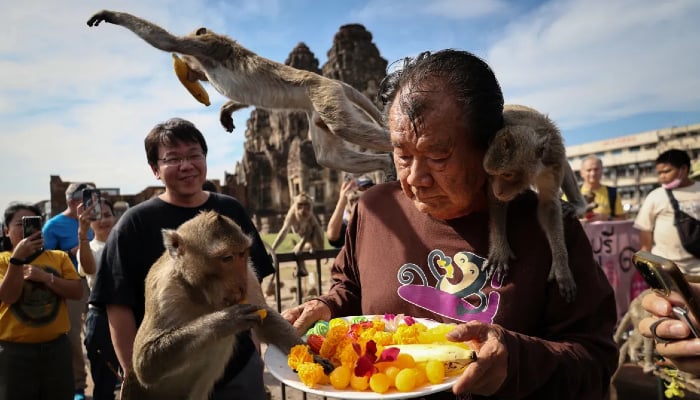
{"x":176,"y":152}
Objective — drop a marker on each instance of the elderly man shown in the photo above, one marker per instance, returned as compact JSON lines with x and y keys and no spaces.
{"x":606,"y":198}
{"x":443,"y":109}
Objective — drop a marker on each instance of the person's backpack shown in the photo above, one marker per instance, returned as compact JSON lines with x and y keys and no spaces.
{"x":612,"y":198}
{"x":687,"y":226}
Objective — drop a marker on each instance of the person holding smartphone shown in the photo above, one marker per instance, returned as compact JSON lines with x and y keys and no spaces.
{"x":675,"y":341}
{"x":61,"y":233}
{"x":35,"y":353}
{"x":104,"y":366}
{"x":350,"y":192}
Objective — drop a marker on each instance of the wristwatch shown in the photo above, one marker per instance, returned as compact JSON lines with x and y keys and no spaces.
{"x":17,"y":261}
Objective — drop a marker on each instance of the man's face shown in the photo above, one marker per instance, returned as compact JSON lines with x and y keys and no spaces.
{"x":591,"y":172}
{"x":668,"y":173}
{"x":184,"y":178}
{"x":437,"y":166}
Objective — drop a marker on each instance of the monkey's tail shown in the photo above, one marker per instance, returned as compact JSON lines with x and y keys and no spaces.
{"x":571,"y":190}
{"x":622,"y":327}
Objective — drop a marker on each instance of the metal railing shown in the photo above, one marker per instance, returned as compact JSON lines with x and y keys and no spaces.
{"x":317,"y":255}
{"x":299,"y":259}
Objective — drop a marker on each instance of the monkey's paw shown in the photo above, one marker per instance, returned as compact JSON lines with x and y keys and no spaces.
{"x":325,"y":363}
{"x":499,"y":270}
{"x":227,"y":121}
{"x":301,"y":271}
{"x":104,"y":15}
{"x":497,"y":263}
{"x":568,"y":210}
{"x":565,"y":281}
{"x":241,"y":317}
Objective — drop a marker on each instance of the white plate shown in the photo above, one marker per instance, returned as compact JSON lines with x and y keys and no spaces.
{"x":276,"y":363}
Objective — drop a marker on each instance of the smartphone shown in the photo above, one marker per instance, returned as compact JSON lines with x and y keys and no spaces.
{"x":30,"y":224}
{"x":90,"y":197}
{"x":664,"y":276}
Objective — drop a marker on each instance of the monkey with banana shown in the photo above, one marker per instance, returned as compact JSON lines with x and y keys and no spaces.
{"x":337,"y":113}
{"x":528,"y":152}
{"x":200,"y":295}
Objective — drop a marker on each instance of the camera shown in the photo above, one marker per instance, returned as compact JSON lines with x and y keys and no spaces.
{"x":30,"y":224}
{"x":90,"y":197}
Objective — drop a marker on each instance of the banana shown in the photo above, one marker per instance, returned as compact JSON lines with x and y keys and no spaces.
{"x":194,"y":87}
{"x":453,"y":356}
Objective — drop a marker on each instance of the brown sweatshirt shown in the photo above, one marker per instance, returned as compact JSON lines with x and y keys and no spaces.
{"x":399,"y":260}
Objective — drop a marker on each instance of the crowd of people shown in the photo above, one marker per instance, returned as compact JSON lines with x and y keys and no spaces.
{"x":82,"y":275}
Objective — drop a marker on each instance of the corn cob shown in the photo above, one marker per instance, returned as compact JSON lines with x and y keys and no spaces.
{"x":194,"y":87}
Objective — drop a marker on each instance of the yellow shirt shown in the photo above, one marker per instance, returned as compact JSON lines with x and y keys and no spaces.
{"x":601,"y":199}
{"x":39,"y":315}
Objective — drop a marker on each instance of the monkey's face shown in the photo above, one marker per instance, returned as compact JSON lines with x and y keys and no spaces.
{"x":507,"y":185}
{"x":210,"y":252}
{"x":511,"y":163}
{"x":232,"y":268}
{"x":303,"y":210}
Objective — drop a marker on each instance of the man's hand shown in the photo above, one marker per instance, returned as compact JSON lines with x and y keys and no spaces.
{"x":305,"y":315}
{"x":680,"y":347}
{"x":487,"y":374}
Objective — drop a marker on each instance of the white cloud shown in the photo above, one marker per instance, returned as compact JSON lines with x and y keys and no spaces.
{"x":591,"y":61}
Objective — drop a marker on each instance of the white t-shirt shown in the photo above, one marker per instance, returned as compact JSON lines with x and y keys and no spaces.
{"x":96,"y":246}
{"x":656,"y":215}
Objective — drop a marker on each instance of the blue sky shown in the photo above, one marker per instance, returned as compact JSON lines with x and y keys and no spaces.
{"x":77,"y":101}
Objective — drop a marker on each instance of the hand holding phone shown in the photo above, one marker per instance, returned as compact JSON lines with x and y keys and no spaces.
{"x":30,"y":224}
{"x":664,"y":276}
{"x":90,"y":197}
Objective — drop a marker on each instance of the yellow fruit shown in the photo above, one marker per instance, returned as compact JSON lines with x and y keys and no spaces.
{"x":340,"y":377}
{"x":359,"y":382}
{"x":194,"y":87}
{"x":379,"y":383}
{"x":435,"y":371}
{"x":421,"y":377}
{"x":405,"y":360}
{"x":406,"y":380}
{"x":455,"y":357}
{"x":391,"y":372}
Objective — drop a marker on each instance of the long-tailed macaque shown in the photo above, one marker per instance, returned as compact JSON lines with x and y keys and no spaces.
{"x":301,"y":220}
{"x":529,"y":152}
{"x":336,"y":111}
{"x":199,"y":294}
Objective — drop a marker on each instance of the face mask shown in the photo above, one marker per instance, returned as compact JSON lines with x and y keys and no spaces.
{"x":673,"y":184}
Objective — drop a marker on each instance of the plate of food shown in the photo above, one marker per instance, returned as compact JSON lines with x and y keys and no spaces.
{"x":431,"y":349}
